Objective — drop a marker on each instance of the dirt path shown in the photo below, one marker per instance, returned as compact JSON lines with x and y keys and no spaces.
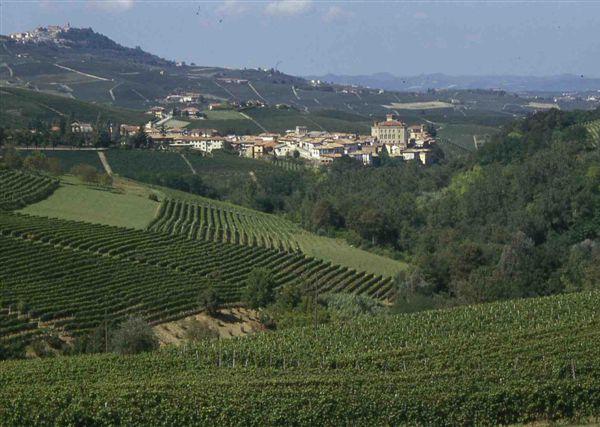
{"x":105,"y":163}
{"x":185,"y":159}
{"x":10,"y":70}
{"x":256,"y":92}
{"x":295,"y":93}
{"x":255,"y":122}
{"x":231,"y":95}
{"x":111,"y":93}
{"x":140,"y":95}
{"x":83,"y":74}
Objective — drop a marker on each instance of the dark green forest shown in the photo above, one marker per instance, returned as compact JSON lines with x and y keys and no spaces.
{"x":518,"y":218}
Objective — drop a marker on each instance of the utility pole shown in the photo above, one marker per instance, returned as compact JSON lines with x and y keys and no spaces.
{"x":105,"y":332}
{"x":315,"y":309}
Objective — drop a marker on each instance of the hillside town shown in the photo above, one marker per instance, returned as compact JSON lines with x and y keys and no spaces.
{"x":393,"y":136}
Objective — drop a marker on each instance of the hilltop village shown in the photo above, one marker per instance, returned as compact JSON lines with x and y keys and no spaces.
{"x":398,"y":139}
{"x":393,"y":136}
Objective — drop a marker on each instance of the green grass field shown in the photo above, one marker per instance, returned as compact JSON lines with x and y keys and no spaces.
{"x":340,"y":252}
{"x":223,"y":115}
{"x":126,"y":206}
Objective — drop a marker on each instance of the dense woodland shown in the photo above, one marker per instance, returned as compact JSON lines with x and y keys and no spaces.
{"x":518,"y":218}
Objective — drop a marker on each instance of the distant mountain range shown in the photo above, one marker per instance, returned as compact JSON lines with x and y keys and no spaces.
{"x":387,"y":81}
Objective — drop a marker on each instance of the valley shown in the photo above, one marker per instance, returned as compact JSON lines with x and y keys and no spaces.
{"x":187,"y":244}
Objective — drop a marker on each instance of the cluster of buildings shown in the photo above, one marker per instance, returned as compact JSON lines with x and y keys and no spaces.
{"x":320,"y":147}
{"x":41,"y":34}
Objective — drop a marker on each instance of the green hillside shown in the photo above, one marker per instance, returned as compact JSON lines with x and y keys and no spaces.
{"x":94,"y":68}
{"x":125,"y":205}
{"x":74,"y":241}
{"x":206,"y":219}
{"x":514,"y":362}
{"x":20,"y":106}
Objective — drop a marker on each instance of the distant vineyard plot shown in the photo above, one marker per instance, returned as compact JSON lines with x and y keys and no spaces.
{"x":594,"y":130}
{"x":70,"y":158}
{"x":18,"y":189}
{"x":205,"y":219}
{"x":542,"y":105}
{"x":137,"y":164}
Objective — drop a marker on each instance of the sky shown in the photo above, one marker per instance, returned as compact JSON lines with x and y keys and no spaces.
{"x":304,"y":37}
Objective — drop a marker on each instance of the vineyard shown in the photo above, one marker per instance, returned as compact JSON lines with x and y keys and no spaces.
{"x":594,"y":131}
{"x":138,"y":164}
{"x":217,"y":221}
{"x":18,"y":189}
{"x":513,"y":362}
{"x":69,"y":158}
{"x":199,"y":218}
{"x":151,"y":274}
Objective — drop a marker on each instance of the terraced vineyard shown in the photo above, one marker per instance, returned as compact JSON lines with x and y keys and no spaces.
{"x":153,"y":274}
{"x":18,"y":189}
{"x":514,"y":362}
{"x":207,"y":219}
{"x":75,"y":291}
{"x":214,"y":221}
{"x":594,"y":130}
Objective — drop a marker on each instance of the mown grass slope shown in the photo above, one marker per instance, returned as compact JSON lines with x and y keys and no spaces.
{"x":125,"y":205}
{"x":514,"y":362}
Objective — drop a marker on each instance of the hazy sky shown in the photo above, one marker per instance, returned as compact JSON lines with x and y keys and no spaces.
{"x":344,"y":37}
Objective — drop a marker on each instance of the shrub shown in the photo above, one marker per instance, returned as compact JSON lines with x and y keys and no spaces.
{"x":86,"y":173}
{"x":197,"y":331}
{"x":134,"y":336}
{"x":260,"y":288}
{"x":210,"y":299}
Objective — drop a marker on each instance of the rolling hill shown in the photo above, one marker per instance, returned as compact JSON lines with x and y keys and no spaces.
{"x":88,"y":66}
{"x":515,"y":362}
{"x":19,"y":107}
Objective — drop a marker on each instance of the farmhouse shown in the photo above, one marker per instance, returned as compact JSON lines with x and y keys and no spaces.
{"x":192,"y":112}
{"x":81,"y":127}
{"x":128,"y":130}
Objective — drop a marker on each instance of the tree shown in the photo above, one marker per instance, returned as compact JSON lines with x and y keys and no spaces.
{"x":101,"y":139}
{"x":324,"y":215}
{"x":210,"y":299}
{"x":11,"y":158}
{"x":134,"y":336}
{"x":260,"y":288}
{"x":140,"y":139}
{"x":86,"y":173}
